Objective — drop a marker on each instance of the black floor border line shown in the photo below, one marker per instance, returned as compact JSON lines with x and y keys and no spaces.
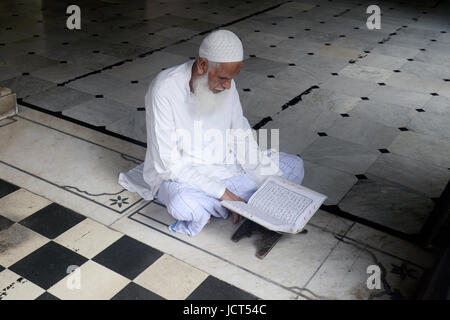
{"x":64,"y":189}
{"x":172,"y":44}
{"x":123,"y":155}
{"x":335,"y":210}
{"x":214,"y":255}
{"x":368,"y":246}
{"x":332,"y":209}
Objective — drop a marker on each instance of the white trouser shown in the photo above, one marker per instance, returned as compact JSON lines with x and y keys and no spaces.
{"x":192,"y":208}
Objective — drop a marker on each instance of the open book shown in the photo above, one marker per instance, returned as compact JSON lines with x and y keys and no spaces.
{"x":279,"y":205}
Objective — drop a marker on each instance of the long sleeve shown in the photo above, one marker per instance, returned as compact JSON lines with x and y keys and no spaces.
{"x":164,"y":152}
{"x":255,"y":162}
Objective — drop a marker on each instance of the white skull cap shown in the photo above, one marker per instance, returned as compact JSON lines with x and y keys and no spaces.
{"x":221,"y":46}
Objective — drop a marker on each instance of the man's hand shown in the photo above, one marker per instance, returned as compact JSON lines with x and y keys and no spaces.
{"x":228,"y":195}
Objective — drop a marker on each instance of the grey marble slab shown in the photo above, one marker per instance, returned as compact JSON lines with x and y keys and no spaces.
{"x":302,"y":79}
{"x":331,"y":100}
{"x":133,"y":126}
{"x":99,"y":83}
{"x":423,"y":148}
{"x":132,"y":95}
{"x":320,"y":67}
{"x":420,"y":176}
{"x":438,"y":105}
{"x":433,"y":57}
{"x":384,"y":113}
{"x":156,"y":61}
{"x":398,"y":96}
{"x":344,"y":276}
{"x":349,"y":86}
{"x":426,"y":69}
{"x":365,"y":132}
{"x":339,"y":154}
{"x":388,"y":204}
{"x":431,"y":124}
{"x":392,"y":245}
{"x":27,"y":62}
{"x":381,"y":61}
{"x":61,"y":72}
{"x":8,"y":73}
{"x":263,"y":66}
{"x":328,"y":181}
{"x":292,"y":139}
{"x":260,"y":102}
{"x":366,"y":73}
{"x":25,"y":86}
{"x":98,"y":112}
{"x":58,"y":98}
{"x":395,"y":51}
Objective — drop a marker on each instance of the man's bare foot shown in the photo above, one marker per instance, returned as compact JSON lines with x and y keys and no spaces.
{"x":208,"y":221}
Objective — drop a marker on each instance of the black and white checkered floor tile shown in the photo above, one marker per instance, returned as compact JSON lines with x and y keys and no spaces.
{"x":50,"y":252}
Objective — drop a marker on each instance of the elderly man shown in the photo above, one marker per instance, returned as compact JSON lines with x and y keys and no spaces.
{"x":187,"y":169}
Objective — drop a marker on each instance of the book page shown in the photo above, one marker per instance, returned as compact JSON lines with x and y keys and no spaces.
{"x":286,"y":202}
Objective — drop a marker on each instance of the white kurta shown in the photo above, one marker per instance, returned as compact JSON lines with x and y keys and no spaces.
{"x":168,"y":109}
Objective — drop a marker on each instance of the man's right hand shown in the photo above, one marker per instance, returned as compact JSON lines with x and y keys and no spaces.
{"x":228,"y":195}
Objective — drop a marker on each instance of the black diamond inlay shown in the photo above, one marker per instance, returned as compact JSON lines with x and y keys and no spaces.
{"x":361,"y":177}
{"x":381,"y":83}
{"x":420,"y":110}
{"x":247,"y":90}
{"x":322,"y":134}
{"x":396,"y":70}
{"x":334,"y":74}
{"x":134,"y":81}
{"x":345,"y":115}
{"x":403,"y":129}
{"x":384,"y":150}
{"x":99,"y":96}
{"x":364,"y":98}
{"x":270,"y":76}
{"x":292,"y":64}
{"x":434,"y":94}
{"x":310,"y":53}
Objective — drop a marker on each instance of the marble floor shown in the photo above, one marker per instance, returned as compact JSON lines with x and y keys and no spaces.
{"x":367,"y":110}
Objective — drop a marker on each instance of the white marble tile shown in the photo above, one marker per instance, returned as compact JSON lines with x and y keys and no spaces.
{"x":20,"y":204}
{"x":158,"y":236}
{"x":132,"y":95}
{"x":171,"y":278}
{"x":96,"y":283}
{"x":88,"y":238}
{"x":15,"y":287}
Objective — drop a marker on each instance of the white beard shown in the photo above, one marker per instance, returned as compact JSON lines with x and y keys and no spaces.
{"x":206,"y":101}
